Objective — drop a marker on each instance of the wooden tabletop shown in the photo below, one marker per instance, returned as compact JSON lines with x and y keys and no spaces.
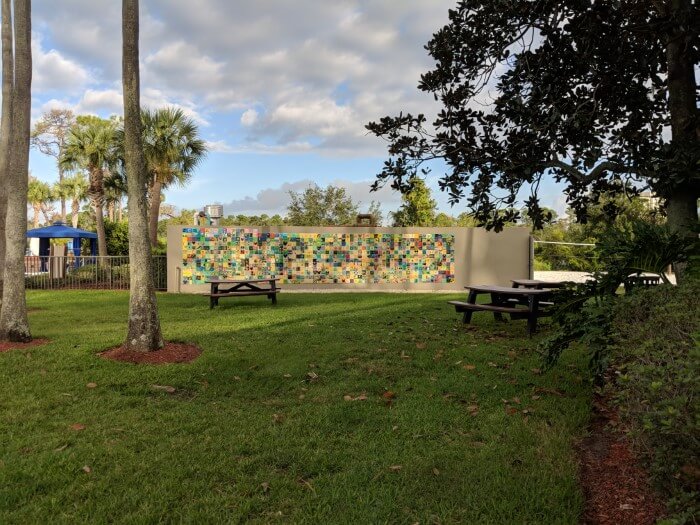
{"x":490,"y":288}
{"x":238,"y":281}
{"x":537,"y":282}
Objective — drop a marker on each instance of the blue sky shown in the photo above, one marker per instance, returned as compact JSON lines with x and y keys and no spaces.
{"x":281,"y":89}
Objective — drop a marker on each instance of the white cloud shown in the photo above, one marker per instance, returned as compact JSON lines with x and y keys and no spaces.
{"x":276,"y":200}
{"x":249,"y":117}
{"x":51,"y":71}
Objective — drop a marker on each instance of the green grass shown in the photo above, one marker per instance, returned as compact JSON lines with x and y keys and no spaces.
{"x":248,"y":436}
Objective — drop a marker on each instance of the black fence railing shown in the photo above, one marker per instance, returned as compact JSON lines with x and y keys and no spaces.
{"x":86,"y":273}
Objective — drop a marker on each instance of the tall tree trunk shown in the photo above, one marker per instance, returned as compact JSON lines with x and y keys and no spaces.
{"x":100,"y":227}
{"x":63,"y":198}
{"x":8,"y":75}
{"x":120,"y":210}
{"x":144,"y":332}
{"x":36,"y":208}
{"x":155,"y":191}
{"x":75,"y":210}
{"x":14,"y":325}
{"x":681,"y":203}
{"x":97,"y":196}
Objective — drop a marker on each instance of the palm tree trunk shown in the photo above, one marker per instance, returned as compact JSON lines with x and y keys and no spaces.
{"x":75,"y":210}
{"x":5,"y":124}
{"x":36,"y":208}
{"x":154,"y":214}
{"x":14,"y":325}
{"x":100,"y":227}
{"x":144,"y":332}
{"x":97,"y":196}
{"x":120,"y":210}
{"x":63,"y":198}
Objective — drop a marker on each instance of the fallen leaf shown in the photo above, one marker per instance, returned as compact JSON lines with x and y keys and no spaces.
{"x":361,"y":397}
{"x":61,"y":448}
{"x":473,"y":410}
{"x":307,"y":484}
{"x":312,"y":377}
{"x":87,"y":469}
{"x":277,"y":418}
{"x":164,"y":388}
{"x":492,"y":364}
{"x":536,"y":371}
{"x":535,"y":398}
{"x":436,"y":472}
{"x":512,"y":354}
{"x":511,"y":411}
{"x":388,"y":395}
{"x":420,"y":346}
{"x":77,"y":426}
{"x":469,"y":367}
{"x":626,"y":506}
{"x":91,"y":385}
{"x":265,"y":487}
{"x":287,"y":376}
{"x":395,"y":428}
{"x":395,"y":468}
{"x":236,"y":378}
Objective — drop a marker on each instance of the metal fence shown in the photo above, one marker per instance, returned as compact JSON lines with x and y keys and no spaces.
{"x":87,"y":273}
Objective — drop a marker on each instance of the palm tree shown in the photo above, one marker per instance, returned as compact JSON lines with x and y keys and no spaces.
{"x":173,"y":150}
{"x":8,"y":75}
{"x":92,"y":145}
{"x":73,"y":188}
{"x":115,"y":189}
{"x":143,"y":333}
{"x":14,"y":323}
{"x":39,"y":194}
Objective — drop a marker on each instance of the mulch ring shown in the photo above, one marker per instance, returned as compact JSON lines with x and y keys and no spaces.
{"x":170,"y":353}
{"x":6,"y":346}
{"x":617,"y":489}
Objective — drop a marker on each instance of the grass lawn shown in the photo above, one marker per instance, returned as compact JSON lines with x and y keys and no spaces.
{"x":259,"y":428}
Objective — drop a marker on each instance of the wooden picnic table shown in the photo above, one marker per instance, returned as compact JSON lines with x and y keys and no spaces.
{"x":242,"y":287}
{"x":520,"y":303}
{"x":536,"y":283}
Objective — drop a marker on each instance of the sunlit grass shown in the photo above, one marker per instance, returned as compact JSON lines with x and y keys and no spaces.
{"x":259,"y":428}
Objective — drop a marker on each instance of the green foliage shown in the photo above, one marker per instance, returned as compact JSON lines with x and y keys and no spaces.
{"x":585,"y":311}
{"x":315,"y":206}
{"x":253,"y":220}
{"x":570,"y":106}
{"x":117,"y":234}
{"x":418,"y":208}
{"x":656,"y":337}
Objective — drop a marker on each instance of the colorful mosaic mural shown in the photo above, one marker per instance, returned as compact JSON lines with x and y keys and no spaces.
{"x":307,"y":258}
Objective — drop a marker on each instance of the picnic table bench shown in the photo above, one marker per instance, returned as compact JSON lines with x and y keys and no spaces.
{"x":536,"y":283}
{"x":520,"y":303}
{"x":240,"y":288}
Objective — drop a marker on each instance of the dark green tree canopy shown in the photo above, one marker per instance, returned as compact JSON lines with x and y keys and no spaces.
{"x":585,"y":91}
{"x":330,"y":206}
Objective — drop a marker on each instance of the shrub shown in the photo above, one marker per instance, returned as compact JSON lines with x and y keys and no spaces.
{"x":656,"y":359}
{"x":117,"y":236}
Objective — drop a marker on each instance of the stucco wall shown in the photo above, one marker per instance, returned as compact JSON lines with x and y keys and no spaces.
{"x":312,"y":258}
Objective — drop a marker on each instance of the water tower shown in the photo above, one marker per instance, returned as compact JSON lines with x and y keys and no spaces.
{"x":214,"y":212}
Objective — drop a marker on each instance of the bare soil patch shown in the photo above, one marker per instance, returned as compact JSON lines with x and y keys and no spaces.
{"x":7,"y":346}
{"x":617,"y":489}
{"x":170,"y":353}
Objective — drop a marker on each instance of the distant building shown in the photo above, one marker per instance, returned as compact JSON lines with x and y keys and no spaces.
{"x":650,"y":199}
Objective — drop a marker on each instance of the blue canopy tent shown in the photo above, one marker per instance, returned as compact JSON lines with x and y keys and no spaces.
{"x":58,"y":230}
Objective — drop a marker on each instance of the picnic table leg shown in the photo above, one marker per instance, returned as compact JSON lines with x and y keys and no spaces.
{"x":471,"y":299}
{"x":533,"y":307}
{"x":213,"y":301}
{"x":497,"y":300}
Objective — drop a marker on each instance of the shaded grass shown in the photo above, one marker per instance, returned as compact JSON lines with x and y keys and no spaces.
{"x":258,"y":429}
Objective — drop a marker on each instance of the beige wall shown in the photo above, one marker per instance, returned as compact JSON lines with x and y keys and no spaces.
{"x":481,"y":257}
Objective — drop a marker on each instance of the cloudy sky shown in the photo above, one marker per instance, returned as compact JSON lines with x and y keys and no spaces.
{"x":281,"y":89}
